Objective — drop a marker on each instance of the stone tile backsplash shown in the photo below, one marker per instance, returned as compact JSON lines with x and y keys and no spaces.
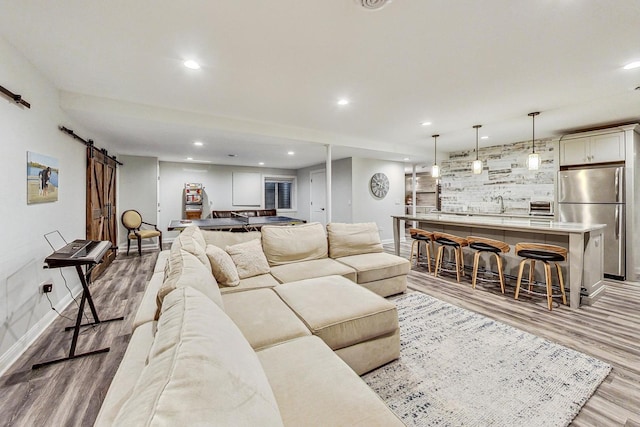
{"x":504,"y":174}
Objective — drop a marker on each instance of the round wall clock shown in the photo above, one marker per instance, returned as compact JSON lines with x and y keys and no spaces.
{"x":379,"y":185}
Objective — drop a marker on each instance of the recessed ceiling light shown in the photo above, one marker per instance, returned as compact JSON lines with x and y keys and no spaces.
{"x":632,"y":65}
{"x":261,"y":163}
{"x":343,"y":101}
{"x":192,"y":64}
{"x":425,"y":124}
{"x":406,"y":159}
{"x":198,"y":144}
{"x":291,"y":153}
{"x":189,"y":158}
{"x":484,"y":137}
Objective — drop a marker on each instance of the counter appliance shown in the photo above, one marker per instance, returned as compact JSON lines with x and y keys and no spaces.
{"x":596,"y":196}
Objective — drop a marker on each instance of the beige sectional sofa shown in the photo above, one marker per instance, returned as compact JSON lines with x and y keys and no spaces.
{"x":283,"y":345}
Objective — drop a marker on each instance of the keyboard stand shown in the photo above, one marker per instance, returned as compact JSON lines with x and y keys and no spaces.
{"x":85,"y":279}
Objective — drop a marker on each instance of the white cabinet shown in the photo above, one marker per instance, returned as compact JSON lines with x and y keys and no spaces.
{"x":602,"y":148}
{"x":594,"y":258}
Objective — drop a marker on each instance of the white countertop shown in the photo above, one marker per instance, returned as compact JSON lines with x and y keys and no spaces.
{"x":505,"y":222}
{"x":519,"y":214}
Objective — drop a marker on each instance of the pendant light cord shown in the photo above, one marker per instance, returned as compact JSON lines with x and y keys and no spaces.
{"x":477,"y":127}
{"x":435,"y":145}
{"x":533,"y":131}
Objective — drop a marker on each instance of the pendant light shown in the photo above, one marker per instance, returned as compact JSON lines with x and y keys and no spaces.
{"x":533,"y":162}
{"x":477,"y":163}
{"x":435,"y":170}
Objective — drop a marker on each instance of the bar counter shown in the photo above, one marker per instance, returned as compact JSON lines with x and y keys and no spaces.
{"x":585,"y":262}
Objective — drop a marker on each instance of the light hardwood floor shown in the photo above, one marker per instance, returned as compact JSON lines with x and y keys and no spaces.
{"x":71,"y":393}
{"x":609,"y":330}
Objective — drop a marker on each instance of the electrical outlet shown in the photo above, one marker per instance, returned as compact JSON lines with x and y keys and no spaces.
{"x":47,"y":287}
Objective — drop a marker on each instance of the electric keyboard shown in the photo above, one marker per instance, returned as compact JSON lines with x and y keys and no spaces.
{"x":78,"y":252}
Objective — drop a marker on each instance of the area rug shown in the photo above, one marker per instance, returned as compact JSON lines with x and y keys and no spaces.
{"x":458,"y":368}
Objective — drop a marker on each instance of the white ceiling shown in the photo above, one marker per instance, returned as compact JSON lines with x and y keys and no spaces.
{"x":272,"y":72}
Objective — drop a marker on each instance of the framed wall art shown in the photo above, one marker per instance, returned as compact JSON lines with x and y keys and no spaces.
{"x":42,"y":178}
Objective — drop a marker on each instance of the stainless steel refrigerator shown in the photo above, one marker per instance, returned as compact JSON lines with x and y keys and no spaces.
{"x":596,"y":196}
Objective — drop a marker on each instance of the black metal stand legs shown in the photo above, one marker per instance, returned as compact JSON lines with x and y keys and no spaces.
{"x":86,"y":297}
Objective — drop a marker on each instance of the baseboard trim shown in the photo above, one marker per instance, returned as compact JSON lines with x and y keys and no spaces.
{"x":146,"y":247}
{"x":23,"y":343}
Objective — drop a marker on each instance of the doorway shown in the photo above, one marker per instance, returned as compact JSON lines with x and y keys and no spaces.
{"x":318,"y":185}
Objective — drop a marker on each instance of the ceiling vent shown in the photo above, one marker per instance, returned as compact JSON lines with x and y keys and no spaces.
{"x":373,"y":4}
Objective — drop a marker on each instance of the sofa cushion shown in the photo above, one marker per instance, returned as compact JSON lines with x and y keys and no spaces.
{"x":256,"y":282}
{"x":248,"y":258}
{"x":369,"y":355}
{"x":339,"y":311}
{"x":376,"y":266}
{"x":287,"y":244}
{"x":314,"y":387}
{"x":385,"y":287}
{"x":187,"y":270}
{"x":222,"y":266}
{"x":161,"y":261}
{"x":353,"y":239}
{"x":222,"y":239}
{"x":263,"y":318}
{"x":201,"y":371}
{"x":191,"y":240}
{"x":124,"y":381}
{"x":148,"y":304}
{"x":309,"y":269}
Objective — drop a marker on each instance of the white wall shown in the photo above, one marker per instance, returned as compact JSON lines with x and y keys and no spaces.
{"x":23,"y":310}
{"x":341,"y":197}
{"x":340,"y":190}
{"x":217,"y":181}
{"x":304,"y":191}
{"x":352,"y":200}
{"x":137,"y":189}
{"x":365,"y":206}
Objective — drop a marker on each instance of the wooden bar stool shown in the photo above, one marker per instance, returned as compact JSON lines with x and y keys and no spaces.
{"x":495,"y":247}
{"x":418,"y":237}
{"x":455,"y":242}
{"x":532,"y":252}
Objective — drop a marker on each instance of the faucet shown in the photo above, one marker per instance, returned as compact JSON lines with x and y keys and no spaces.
{"x":501,"y":200}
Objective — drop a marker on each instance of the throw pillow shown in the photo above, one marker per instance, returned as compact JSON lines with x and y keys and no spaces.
{"x":249,"y":258}
{"x":222,"y":266}
{"x":191,"y":240}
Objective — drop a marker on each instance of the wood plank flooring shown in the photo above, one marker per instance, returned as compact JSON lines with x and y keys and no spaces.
{"x":609,"y":330}
{"x":71,"y":393}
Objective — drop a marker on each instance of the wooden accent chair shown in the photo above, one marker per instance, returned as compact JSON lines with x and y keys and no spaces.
{"x":532,"y":252}
{"x":420,"y":236}
{"x":495,"y":247}
{"x":455,"y":242}
{"x":132,"y":221}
